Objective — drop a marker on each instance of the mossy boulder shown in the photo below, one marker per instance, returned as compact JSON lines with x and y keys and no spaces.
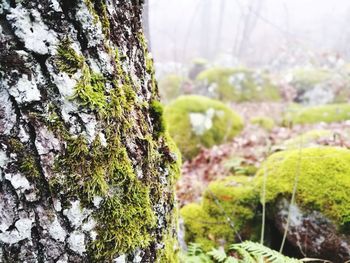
{"x":319,"y":86}
{"x":322,"y":203}
{"x":323,"y":180}
{"x":263,"y":122}
{"x":307,"y":139}
{"x":196,"y":121}
{"x":306,"y":78}
{"x":170,"y":86}
{"x":324,"y":113}
{"x":238,"y":84}
{"x":228,"y":206}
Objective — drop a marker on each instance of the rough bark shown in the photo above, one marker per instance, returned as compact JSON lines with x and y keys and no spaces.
{"x":86,"y":166}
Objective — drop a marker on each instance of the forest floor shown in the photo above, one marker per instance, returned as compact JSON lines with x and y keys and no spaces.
{"x":245,"y":152}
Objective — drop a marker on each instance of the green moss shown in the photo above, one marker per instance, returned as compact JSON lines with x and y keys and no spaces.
{"x":125,"y":219}
{"x":67,"y":59}
{"x":227,"y":208}
{"x":325,"y":113}
{"x":239,"y":84}
{"x":25,"y":159}
{"x":323,"y":182}
{"x":264,"y":122}
{"x":89,"y":90}
{"x":306,"y":78}
{"x":169,"y":254}
{"x":222,"y":126}
{"x":306,"y":139}
{"x":170,"y":87}
{"x":148,"y":64}
{"x":156,"y":111}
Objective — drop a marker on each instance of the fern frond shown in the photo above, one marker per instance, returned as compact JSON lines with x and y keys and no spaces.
{"x":218,"y":254}
{"x":194,"y":249}
{"x":262,"y":253}
{"x":231,"y":260}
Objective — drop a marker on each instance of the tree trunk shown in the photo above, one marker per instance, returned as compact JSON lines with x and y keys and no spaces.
{"x":87,"y":168}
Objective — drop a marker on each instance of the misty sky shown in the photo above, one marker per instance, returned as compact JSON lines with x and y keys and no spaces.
{"x":179,"y":27}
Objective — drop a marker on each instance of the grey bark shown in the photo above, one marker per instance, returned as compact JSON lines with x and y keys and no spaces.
{"x":40,"y":222}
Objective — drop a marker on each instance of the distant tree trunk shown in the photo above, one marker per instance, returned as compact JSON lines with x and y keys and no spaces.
{"x":250,"y":16}
{"x":220,"y":25}
{"x":205,"y":29}
{"x":87,"y":169}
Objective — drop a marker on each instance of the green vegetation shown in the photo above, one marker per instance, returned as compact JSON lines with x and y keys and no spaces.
{"x":227,"y":208}
{"x":239,"y":84}
{"x":245,"y":252}
{"x":325,"y":113}
{"x":323,"y":181}
{"x":196,"y":121}
{"x":263,"y":122}
{"x":67,"y":59}
{"x":125,"y":217}
{"x":170,"y":87}
{"x":306,"y":78}
{"x":230,"y":205}
{"x":306,"y":139}
{"x":25,"y":159}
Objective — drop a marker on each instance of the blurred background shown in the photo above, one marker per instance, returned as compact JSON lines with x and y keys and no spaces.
{"x":241,"y":81}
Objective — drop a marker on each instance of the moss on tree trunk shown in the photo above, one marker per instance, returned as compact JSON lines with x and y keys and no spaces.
{"x":87,"y":167}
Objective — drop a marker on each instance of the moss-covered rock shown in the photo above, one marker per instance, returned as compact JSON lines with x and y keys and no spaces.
{"x":306,"y":78}
{"x":324,"y":113}
{"x":239,"y":84}
{"x":307,"y":139}
{"x":319,"y":86}
{"x":232,"y":205}
{"x":170,"y":87}
{"x":263,"y":122}
{"x":227,"y":208}
{"x":323,"y":180}
{"x":196,"y":121}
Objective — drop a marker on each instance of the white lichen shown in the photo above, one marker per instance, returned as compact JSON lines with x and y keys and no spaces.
{"x":120,"y":259}
{"x":18,"y":181}
{"x":76,"y":242}
{"x":21,"y":231}
{"x":56,"y":231}
{"x":76,"y":214}
{"x":97,"y":201}
{"x":8,"y":116}
{"x":31,"y":30}
{"x":24,"y":90}
{"x":201,"y":122}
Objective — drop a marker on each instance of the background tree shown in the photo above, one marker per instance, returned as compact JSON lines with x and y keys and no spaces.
{"x":86,"y":166}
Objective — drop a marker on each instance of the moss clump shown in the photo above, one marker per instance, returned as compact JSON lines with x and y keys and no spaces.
{"x":196,"y":121}
{"x":306,"y":139}
{"x":156,"y":112}
{"x":306,"y":78}
{"x":325,"y":113}
{"x":227,"y":208}
{"x":170,"y":87}
{"x":239,"y":84}
{"x":323,"y":182}
{"x":263,"y":122}
{"x":25,"y":158}
{"x":90,"y":90}
{"x":67,"y":58}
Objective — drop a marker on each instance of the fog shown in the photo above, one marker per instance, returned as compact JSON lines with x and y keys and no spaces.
{"x":250,"y":32}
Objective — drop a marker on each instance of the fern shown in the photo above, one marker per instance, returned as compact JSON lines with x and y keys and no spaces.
{"x":261,"y":253}
{"x":218,"y":254}
{"x":246,"y":252}
{"x":194,"y":249}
